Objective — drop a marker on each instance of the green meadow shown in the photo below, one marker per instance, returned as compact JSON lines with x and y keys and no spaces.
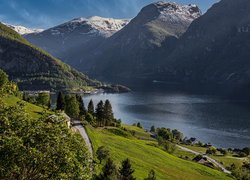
{"x":145,"y":156}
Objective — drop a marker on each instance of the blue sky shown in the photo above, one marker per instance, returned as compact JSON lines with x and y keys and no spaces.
{"x":48,"y":13}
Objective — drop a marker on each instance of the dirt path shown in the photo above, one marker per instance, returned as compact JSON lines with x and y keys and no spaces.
{"x":209,"y":158}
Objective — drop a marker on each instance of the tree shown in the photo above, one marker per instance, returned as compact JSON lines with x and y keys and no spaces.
{"x":152,"y":129}
{"x":246,"y":150}
{"x":109,"y":171}
{"x":43,"y":99}
{"x":3,"y":78}
{"x":32,"y":149}
{"x":102,"y":153}
{"x":60,"y":102}
{"x":81,"y":105}
{"x":211,"y":151}
{"x":151,"y":175}
{"x":89,"y":118}
{"x":139,"y":125}
{"x":126,"y":170}
{"x":71,"y":107}
{"x":91,"y":108}
{"x":164,"y":133}
{"x":108,"y":113}
{"x":177,"y":135}
{"x":100,"y":114}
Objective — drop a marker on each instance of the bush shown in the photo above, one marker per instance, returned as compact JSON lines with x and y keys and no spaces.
{"x":211,"y":151}
{"x":39,"y":148}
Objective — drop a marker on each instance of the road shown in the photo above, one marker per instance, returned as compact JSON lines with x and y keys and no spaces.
{"x":208,"y":158}
{"x":77,"y":125}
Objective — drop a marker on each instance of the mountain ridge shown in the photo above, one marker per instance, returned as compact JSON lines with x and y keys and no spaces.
{"x":35,"y":69}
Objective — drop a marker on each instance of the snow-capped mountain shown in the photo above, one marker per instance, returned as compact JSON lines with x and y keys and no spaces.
{"x":71,"y":40}
{"x":120,"y":47}
{"x":23,"y":30}
{"x":176,"y":12}
{"x":137,"y":50}
{"x":99,"y":25}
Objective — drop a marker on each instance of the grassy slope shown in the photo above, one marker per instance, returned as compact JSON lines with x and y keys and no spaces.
{"x":226,"y":160}
{"x":139,"y":132}
{"x":145,"y":157}
{"x":33,"y":110}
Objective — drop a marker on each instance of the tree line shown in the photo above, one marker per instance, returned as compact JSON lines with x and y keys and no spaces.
{"x":73,"y":105}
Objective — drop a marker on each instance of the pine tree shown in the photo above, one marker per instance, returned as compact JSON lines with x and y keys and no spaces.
{"x":151,"y":175}
{"x":109,"y":171}
{"x":72,"y":107}
{"x":91,"y":108}
{"x":81,"y":105}
{"x":152,"y":129}
{"x":60,"y":103}
{"x":108,"y":113}
{"x":100,"y":113}
{"x":126,"y":170}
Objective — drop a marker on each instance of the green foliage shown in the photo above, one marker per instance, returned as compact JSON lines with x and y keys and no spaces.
{"x":126,"y":171}
{"x":91,"y":108}
{"x":165,"y":133}
{"x":241,"y":173}
{"x":102,"y":153}
{"x":39,"y":148}
{"x":211,"y":151}
{"x":109,"y":171}
{"x":3,"y":78}
{"x":177,"y":135}
{"x":82,"y":108}
{"x":100,"y":114}
{"x":89,"y":118}
{"x":43,"y":99}
{"x":60,"y":102}
{"x":246,"y":150}
{"x":167,"y":145}
{"x":108,"y":113}
{"x":71,"y":106}
{"x":151,"y":175}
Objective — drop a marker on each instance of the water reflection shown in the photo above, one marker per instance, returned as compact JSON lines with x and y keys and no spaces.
{"x":210,"y":119}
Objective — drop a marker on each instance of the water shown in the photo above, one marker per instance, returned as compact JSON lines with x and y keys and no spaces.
{"x":210,"y":119}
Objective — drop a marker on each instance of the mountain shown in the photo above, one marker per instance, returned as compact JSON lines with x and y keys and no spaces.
{"x":134,"y":51}
{"x":215,"y":49}
{"x":72,"y":40}
{"x":23,"y":30}
{"x":34,"y":69}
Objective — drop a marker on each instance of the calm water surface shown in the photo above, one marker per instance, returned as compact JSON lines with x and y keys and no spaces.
{"x":210,"y":119}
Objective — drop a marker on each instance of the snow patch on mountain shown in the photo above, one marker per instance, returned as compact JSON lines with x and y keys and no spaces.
{"x":23,"y":30}
{"x":174,"y":12}
{"x":92,"y":25}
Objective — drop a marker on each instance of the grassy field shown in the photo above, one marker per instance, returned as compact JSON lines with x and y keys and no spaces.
{"x":201,"y":150}
{"x":226,"y":160}
{"x":144,"y":156}
{"x":139,"y":133}
{"x":33,"y":110}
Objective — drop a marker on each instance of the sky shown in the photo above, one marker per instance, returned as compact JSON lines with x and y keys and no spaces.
{"x":48,"y":13}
